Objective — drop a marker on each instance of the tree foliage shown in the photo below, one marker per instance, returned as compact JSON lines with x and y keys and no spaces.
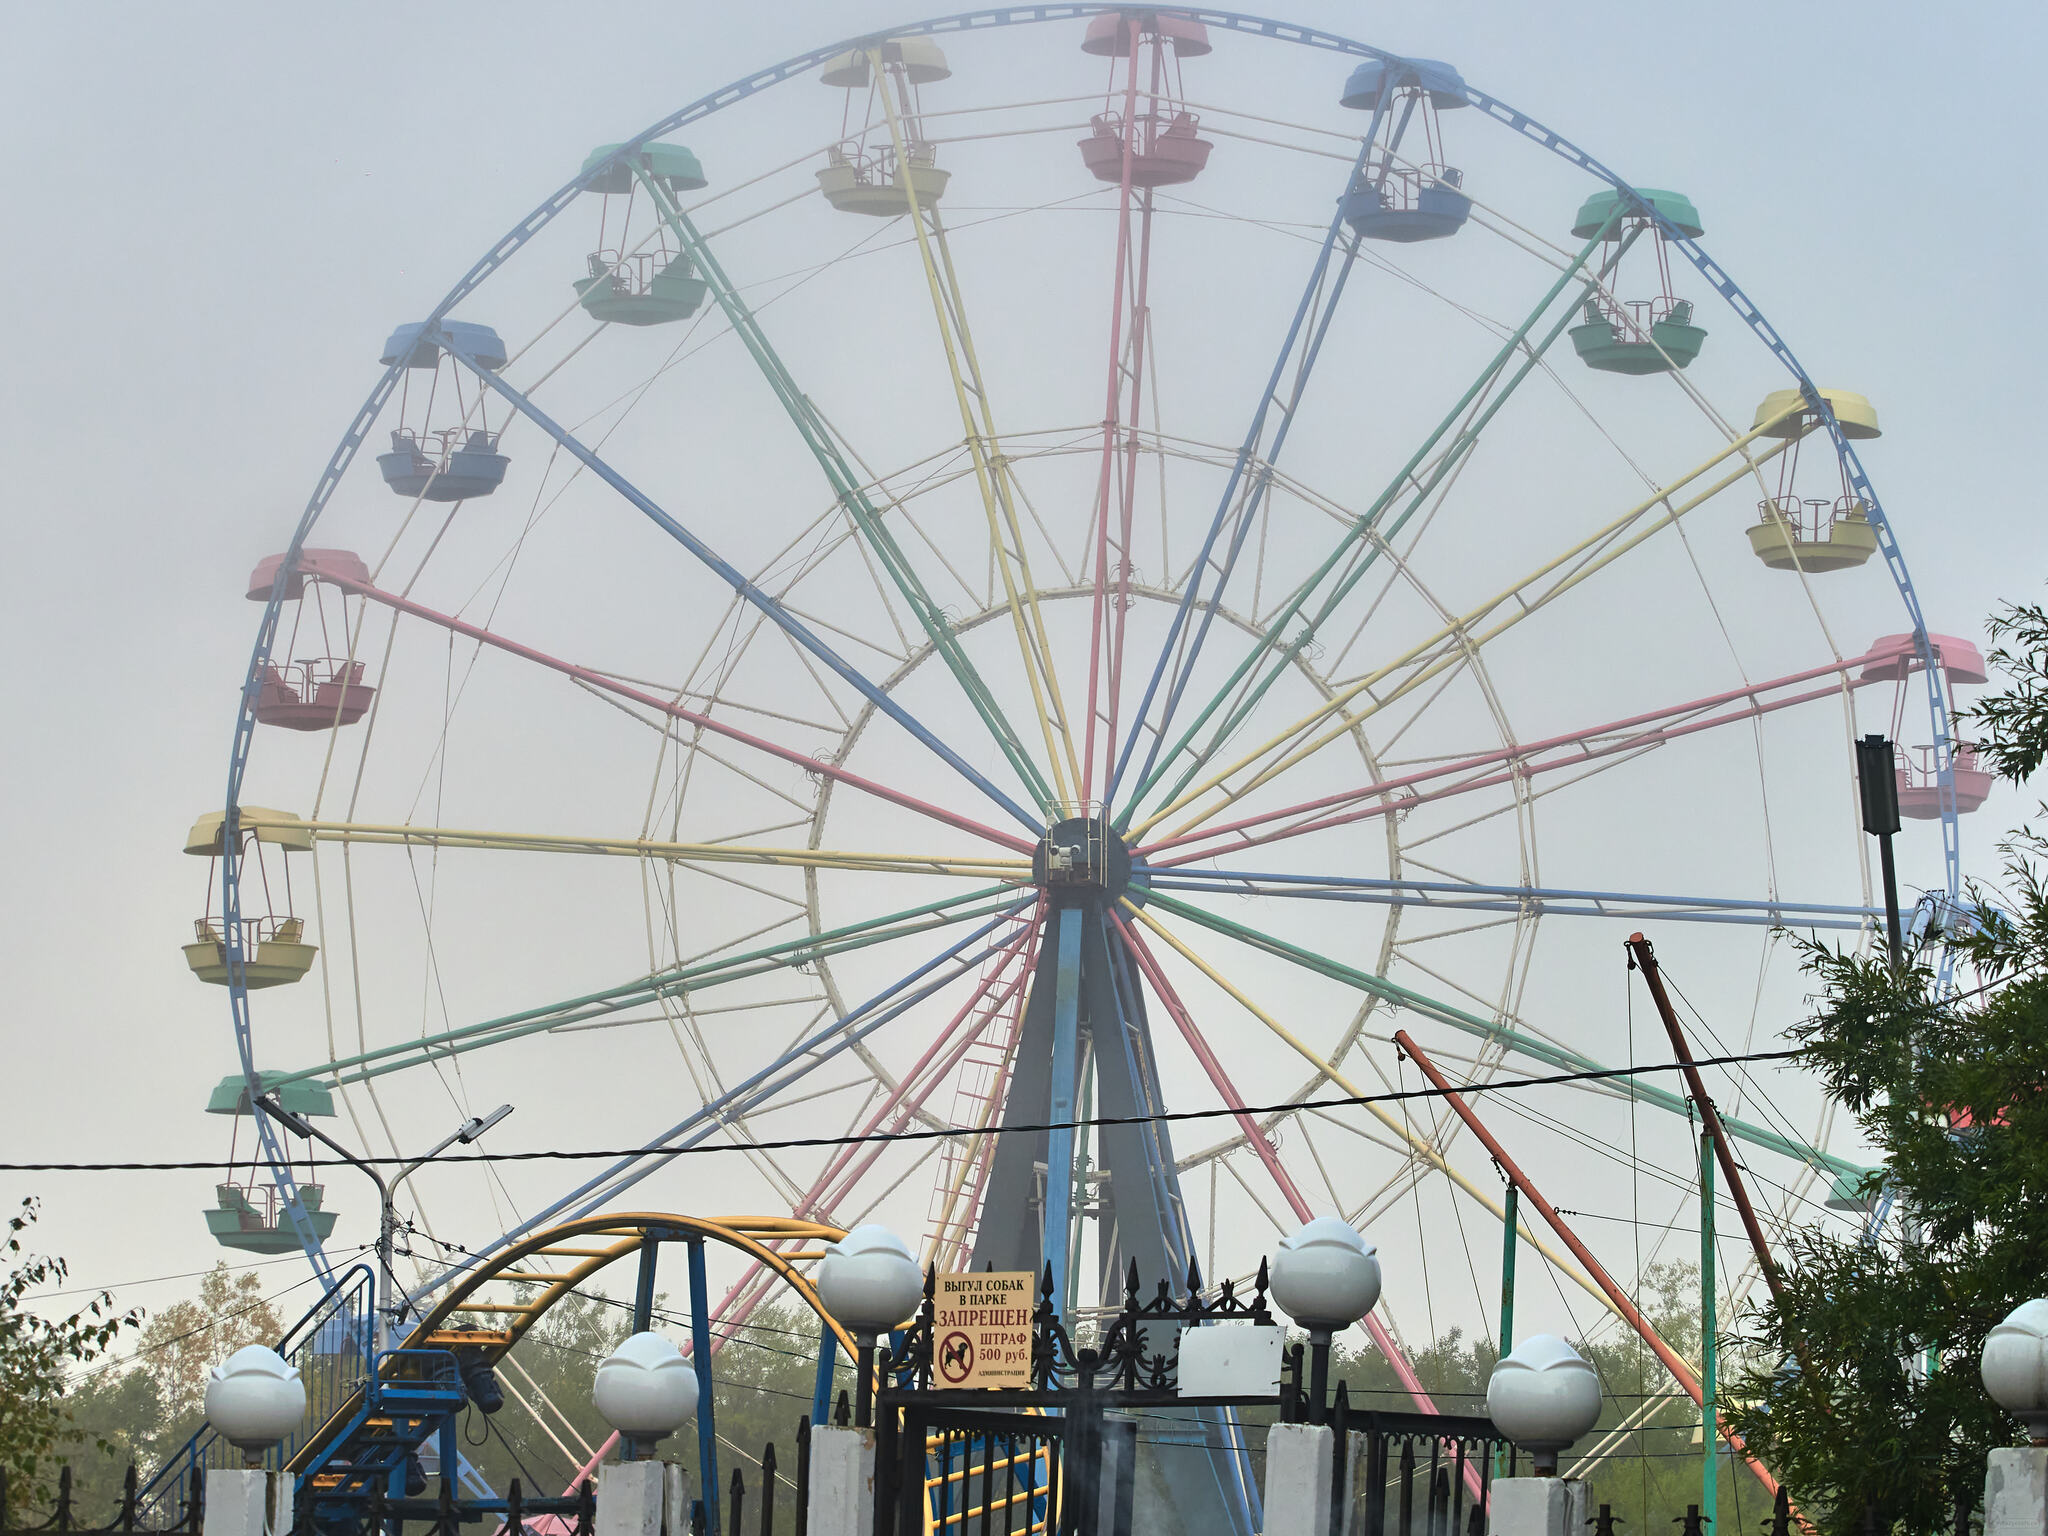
{"x":37,"y":1353}
{"x":1862,"y":1386}
{"x":188,"y":1338}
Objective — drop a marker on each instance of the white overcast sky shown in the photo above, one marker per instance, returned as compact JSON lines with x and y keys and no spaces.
{"x":216,"y":213}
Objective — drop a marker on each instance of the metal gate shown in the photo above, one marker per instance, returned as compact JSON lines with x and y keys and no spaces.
{"x":957,"y":1471}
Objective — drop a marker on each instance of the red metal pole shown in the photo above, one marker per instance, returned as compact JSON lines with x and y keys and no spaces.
{"x":1517,"y":755}
{"x":1131,"y":33}
{"x":1680,"y":1371}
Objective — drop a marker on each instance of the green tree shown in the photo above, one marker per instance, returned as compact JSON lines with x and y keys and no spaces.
{"x":1862,"y":1387}
{"x":184,"y":1341}
{"x":36,"y":1355}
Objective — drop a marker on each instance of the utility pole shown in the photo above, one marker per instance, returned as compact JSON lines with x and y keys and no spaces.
{"x":1644,"y":959}
{"x":1878,"y":786}
{"x":390,"y":1307}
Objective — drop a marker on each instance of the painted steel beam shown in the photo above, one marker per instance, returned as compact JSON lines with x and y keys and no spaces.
{"x":1487,"y":1029}
{"x":767,"y":605}
{"x":1547,"y":901}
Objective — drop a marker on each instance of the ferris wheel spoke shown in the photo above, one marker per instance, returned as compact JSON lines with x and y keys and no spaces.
{"x":1129,"y":319}
{"x":1329,"y":1072}
{"x":676,"y":711}
{"x":1544,"y":901}
{"x":825,"y":1044}
{"x":770,"y":960}
{"x":1455,"y":643}
{"x":1238,"y":506}
{"x":1354,"y":553}
{"x":991,"y":472}
{"x":849,"y":489}
{"x":788,"y":622}
{"x":1261,"y":1144}
{"x":1486,"y":770}
{"x":1547,"y":1052}
{"x":760,"y":1087}
{"x":1003,"y":982}
{"x":407,"y":835}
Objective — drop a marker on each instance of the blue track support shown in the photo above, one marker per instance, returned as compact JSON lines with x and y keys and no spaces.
{"x":780,"y":616}
{"x":700,"y":1125}
{"x":1547,"y":901}
{"x":828,"y":1359}
{"x":707,"y":1418}
{"x":643,"y":1285}
{"x":1059,"y":1144}
{"x":1262,"y":478}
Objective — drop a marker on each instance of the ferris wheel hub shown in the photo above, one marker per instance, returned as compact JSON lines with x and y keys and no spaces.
{"x":1081,"y":859}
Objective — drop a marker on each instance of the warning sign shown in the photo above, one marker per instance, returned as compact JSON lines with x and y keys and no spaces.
{"x":981,"y":1329}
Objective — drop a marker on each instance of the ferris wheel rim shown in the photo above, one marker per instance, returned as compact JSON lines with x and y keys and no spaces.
{"x":791,"y":69}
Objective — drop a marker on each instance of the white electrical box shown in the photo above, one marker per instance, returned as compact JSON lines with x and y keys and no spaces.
{"x":1231,"y":1360}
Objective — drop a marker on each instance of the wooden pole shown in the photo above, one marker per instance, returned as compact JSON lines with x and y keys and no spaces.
{"x":1644,"y":960}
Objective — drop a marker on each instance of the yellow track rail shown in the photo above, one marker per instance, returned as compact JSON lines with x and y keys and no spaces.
{"x":616,"y":1236}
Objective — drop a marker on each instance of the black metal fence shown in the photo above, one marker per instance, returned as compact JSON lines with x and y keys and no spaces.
{"x":130,"y":1516}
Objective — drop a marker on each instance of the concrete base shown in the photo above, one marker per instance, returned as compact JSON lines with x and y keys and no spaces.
{"x":842,"y":1482}
{"x":2015,"y":1491}
{"x":246,"y":1503}
{"x":1298,"y":1464}
{"x":1537,"y":1506}
{"x":1578,"y":1505}
{"x":641,"y":1498}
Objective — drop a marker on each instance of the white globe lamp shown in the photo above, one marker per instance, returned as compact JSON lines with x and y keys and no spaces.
{"x":254,"y":1398}
{"x":645,"y":1390}
{"x":1543,"y":1397}
{"x":868,"y":1282}
{"x":2014,"y":1366}
{"x":1326,"y":1277}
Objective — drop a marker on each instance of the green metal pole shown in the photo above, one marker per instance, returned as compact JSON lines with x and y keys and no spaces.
{"x":1510,"y":1240}
{"x":1710,"y":1427}
{"x":1508,"y":1243}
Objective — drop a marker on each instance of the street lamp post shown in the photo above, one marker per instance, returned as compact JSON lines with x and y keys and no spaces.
{"x":1878,"y":787}
{"x":1326,"y":1277}
{"x":870,"y":1283}
{"x":390,"y":1307}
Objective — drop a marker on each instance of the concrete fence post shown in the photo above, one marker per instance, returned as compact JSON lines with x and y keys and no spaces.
{"x":842,"y":1499}
{"x":1538,"y":1506}
{"x":630,"y":1497}
{"x":248,"y":1502}
{"x":1298,"y":1463}
{"x":2016,"y":1491}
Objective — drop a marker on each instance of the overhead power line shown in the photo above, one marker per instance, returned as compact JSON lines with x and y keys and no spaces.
{"x":1346,"y":1101}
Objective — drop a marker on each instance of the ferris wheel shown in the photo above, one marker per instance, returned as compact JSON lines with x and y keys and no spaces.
{"x":1058,"y":565}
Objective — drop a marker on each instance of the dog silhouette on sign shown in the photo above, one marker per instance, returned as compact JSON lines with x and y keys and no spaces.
{"x":956,"y":1357}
